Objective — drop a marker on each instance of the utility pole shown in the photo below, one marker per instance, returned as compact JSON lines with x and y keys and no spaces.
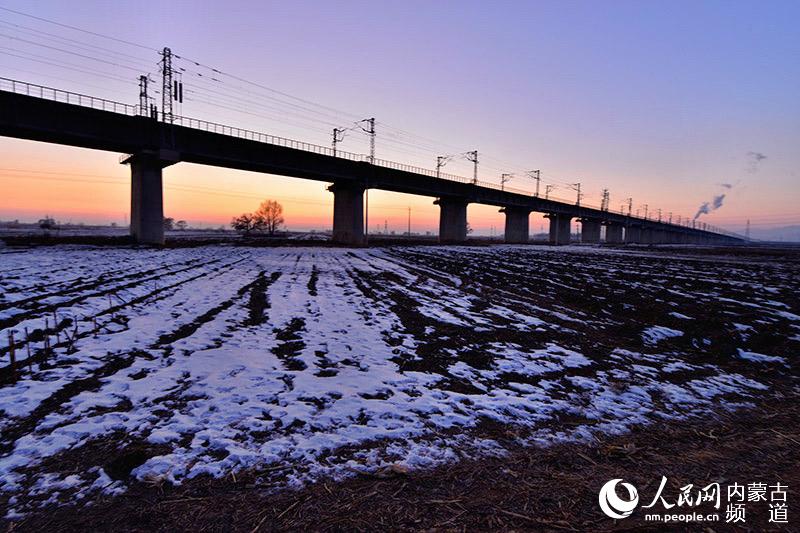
{"x":144,"y":102}
{"x":441,"y":161}
{"x":679,"y":220}
{"x":536,"y":174}
{"x":645,"y":211}
{"x":547,"y":190}
{"x":167,"y":94}
{"x":659,"y":214}
{"x":473,"y":156}
{"x":338,"y":136}
{"x":670,"y":217}
{"x":605,"y":201}
{"x":371,"y":132}
{"x":171,"y":88}
{"x":577,"y":187}
{"x":504,"y":178}
{"x":630,"y":206}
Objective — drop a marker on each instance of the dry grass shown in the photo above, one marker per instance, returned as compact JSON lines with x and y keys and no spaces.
{"x":532,"y":488}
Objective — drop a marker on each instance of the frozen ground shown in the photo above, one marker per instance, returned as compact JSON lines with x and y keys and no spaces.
{"x":163,"y":365}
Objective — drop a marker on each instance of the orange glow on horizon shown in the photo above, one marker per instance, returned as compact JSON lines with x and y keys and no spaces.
{"x":77,"y":185}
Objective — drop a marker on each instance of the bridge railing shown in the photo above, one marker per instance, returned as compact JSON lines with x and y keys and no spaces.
{"x":258,"y":136}
{"x":67,"y":97}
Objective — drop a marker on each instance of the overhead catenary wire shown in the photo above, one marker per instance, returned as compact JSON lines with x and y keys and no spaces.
{"x":68,"y":66}
{"x":421,"y":150}
{"x":352,"y":116}
{"x":66,"y":41}
{"x":214,"y":99}
{"x":214,"y":83}
{"x":257,"y":115}
{"x":77,"y":82}
{"x":75,"y":28}
{"x":210,"y":93}
{"x":71,"y":52}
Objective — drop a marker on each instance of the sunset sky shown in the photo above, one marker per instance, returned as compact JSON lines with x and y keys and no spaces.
{"x":660,"y":101}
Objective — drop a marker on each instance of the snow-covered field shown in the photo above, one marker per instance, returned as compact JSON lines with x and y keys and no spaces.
{"x":296,"y":363}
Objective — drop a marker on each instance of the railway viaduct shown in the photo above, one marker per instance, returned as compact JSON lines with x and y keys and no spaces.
{"x":42,"y":114}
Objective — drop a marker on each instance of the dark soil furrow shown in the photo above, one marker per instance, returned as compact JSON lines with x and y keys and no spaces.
{"x":185,"y":330}
{"x":20,"y":427}
{"x":153,"y":296}
{"x":79,"y":284}
{"x":47,"y":308}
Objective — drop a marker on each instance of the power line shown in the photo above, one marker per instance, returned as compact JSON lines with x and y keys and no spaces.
{"x":217,"y":83}
{"x":264,"y":87}
{"x":210,"y":93}
{"x":425,"y":147}
{"x":72,"y":42}
{"x":243,"y":111}
{"x":75,"y":28}
{"x":81,"y":82}
{"x":69,"y":52}
{"x":67,"y":66}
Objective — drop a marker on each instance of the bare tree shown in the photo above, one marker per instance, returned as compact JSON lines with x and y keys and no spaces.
{"x":246,"y":223}
{"x":48,"y":223}
{"x":270,"y":214}
{"x":268,"y":217}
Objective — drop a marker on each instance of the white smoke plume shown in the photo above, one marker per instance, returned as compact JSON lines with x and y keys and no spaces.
{"x":754,"y":160}
{"x":713,"y":205}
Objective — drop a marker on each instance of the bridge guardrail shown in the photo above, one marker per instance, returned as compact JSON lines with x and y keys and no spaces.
{"x":257,"y":136}
{"x":58,"y":95}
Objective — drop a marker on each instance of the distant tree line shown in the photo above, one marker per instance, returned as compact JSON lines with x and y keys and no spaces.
{"x":170,"y":224}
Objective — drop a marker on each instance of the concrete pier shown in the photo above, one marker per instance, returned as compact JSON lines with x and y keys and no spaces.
{"x":517,"y":225}
{"x":348,"y":213}
{"x":452,"y":220}
{"x":147,"y":197}
{"x":614,"y":234}
{"x":590,"y":230}
{"x":633,"y":234}
{"x":560,"y":231}
{"x":659,"y":237}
